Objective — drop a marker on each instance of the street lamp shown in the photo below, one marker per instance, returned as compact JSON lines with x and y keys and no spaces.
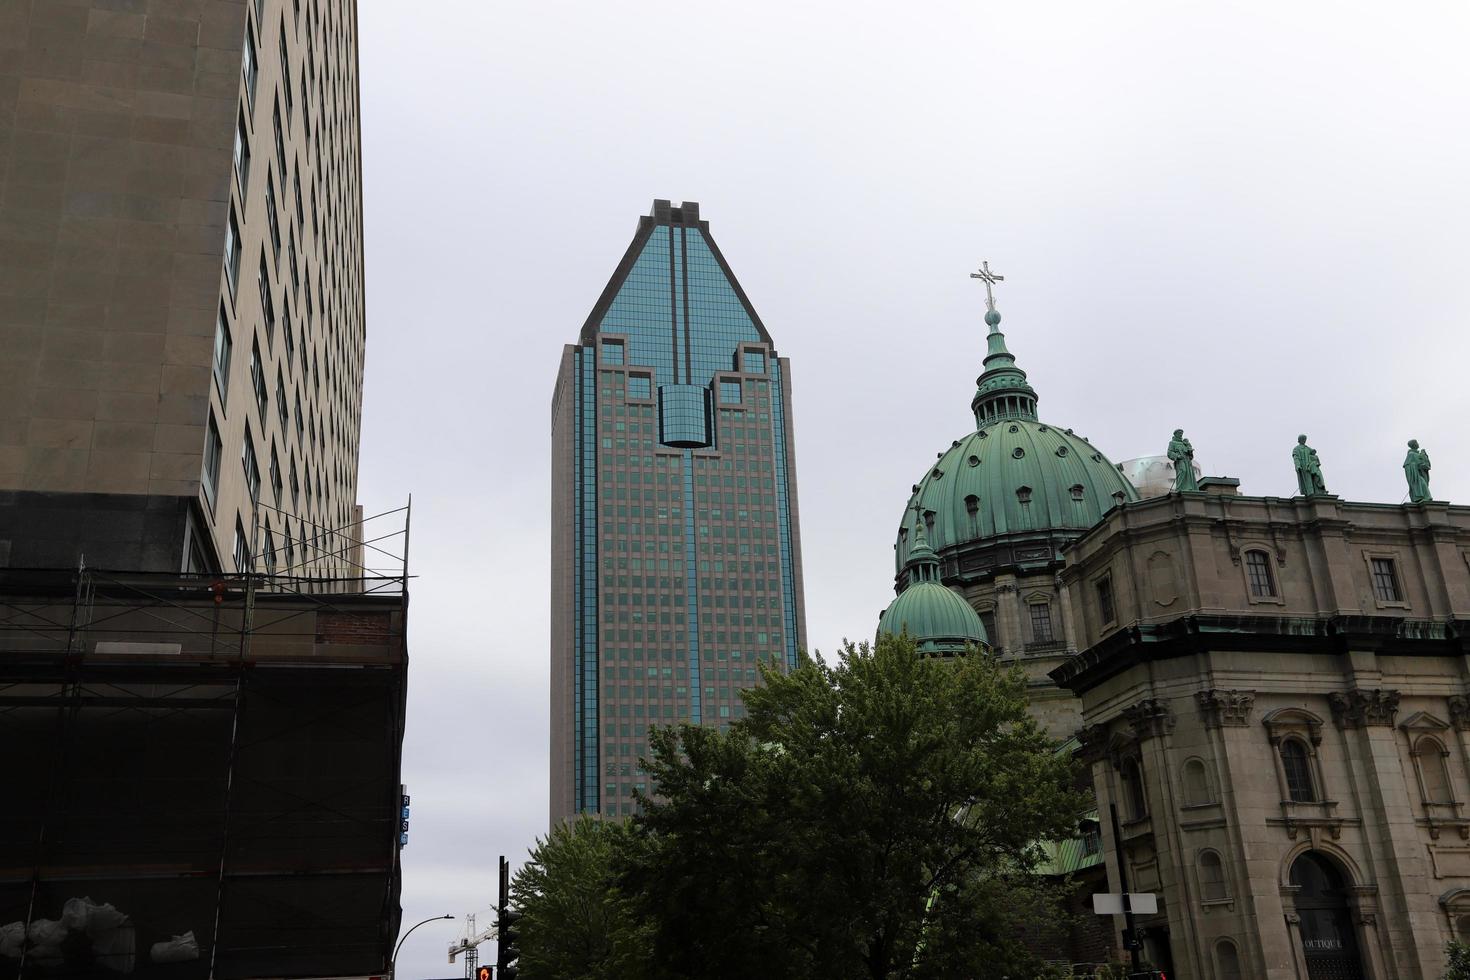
{"x":393,"y":963}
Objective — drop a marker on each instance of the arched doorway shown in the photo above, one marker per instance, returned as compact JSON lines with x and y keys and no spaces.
{"x":1328,"y":939}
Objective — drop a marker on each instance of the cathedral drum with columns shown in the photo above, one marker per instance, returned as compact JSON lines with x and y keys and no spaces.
{"x":1273,"y":694}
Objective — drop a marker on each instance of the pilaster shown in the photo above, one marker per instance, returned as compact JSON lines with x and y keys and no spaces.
{"x":1405,"y":917}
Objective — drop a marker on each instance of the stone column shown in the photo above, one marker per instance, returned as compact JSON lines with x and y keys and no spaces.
{"x":1152,"y":723}
{"x":1411,"y":920}
{"x":1294,"y":934}
{"x":1008,"y":616}
{"x":1365,"y":919}
{"x":1265,"y":947}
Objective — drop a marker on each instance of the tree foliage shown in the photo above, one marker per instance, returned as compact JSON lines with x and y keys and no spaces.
{"x":576,"y":924}
{"x":873,"y":817}
{"x":1457,"y":961}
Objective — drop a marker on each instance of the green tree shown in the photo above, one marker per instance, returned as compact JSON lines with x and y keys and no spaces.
{"x":874,"y":818}
{"x":576,"y":924}
{"x":1457,"y":961}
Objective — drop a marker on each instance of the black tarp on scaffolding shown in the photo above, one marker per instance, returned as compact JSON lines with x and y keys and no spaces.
{"x":213,"y":766}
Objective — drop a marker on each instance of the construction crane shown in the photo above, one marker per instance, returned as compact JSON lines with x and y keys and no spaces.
{"x":470,"y":945}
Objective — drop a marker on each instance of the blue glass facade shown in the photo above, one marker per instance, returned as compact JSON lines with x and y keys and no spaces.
{"x":685,"y":565}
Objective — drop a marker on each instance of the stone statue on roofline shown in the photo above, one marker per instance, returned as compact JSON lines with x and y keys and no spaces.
{"x":1416,"y":471}
{"x":1181,"y":454}
{"x":1308,"y":469}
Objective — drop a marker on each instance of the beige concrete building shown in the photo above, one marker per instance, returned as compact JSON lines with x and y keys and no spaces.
{"x":1276,"y":697}
{"x":181,"y":284}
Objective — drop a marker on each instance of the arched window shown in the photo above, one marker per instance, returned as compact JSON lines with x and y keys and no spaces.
{"x":1133,"y":789}
{"x":1298,"y":768}
{"x":1196,"y":784}
{"x":1462,"y":928}
{"x":1258,"y":573}
{"x":1212,"y":878}
{"x":1229,"y":959}
{"x":1431,"y":758}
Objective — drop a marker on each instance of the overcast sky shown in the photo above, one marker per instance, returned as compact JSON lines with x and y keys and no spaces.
{"x":1248,"y":220}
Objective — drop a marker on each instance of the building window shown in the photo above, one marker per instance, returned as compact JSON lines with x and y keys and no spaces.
{"x":282,"y":407}
{"x":242,"y":548}
{"x":272,"y":221}
{"x":1041,"y":622}
{"x":1385,"y":580}
{"x":1105,"y":610}
{"x":753,"y":362}
{"x":730,"y":392}
{"x":1297,"y":765}
{"x":222,"y":348}
{"x":251,"y":466}
{"x":1091,"y":837}
{"x":285,"y":72}
{"x":1212,"y":878}
{"x":275,"y":475}
{"x":300,"y":205}
{"x":1229,"y":959}
{"x":232,"y":253}
{"x":300,"y":421}
{"x":1430,"y":757}
{"x":295,"y":485}
{"x":212,"y":449}
{"x":987,"y":619}
{"x":242,"y":156}
{"x":257,"y":379}
{"x":639,"y":386}
{"x":269,"y":551}
{"x":291,"y":263}
{"x":267,"y":305}
{"x":250,"y":68}
{"x":1258,"y":571}
{"x":1133,"y":790}
{"x":290,"y":548}
{"x":1196,"y":784}
{"x":280,"y":140}
{"x":287,"y":336}
{"x":612,"y":352}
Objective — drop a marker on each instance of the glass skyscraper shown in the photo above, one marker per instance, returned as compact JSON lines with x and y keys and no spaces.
{"x":676,"y":559}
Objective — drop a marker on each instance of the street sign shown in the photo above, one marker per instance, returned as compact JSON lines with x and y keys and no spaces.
{"x":1140,"y":903}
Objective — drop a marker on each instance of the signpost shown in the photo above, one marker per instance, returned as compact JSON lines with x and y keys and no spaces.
{"x":1142,"y":903}
{"x":1130,"y":933}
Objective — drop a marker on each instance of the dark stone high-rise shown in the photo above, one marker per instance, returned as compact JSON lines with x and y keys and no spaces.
{"x":676,"y":559}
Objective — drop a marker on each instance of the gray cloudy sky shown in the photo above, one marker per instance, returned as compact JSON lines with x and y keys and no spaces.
{"x":1248,"y":220}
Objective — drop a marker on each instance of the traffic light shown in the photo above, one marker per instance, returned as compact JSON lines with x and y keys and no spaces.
{"x":483,"y":973}
{"x":508,"y":946}
{"x":509,"y":949}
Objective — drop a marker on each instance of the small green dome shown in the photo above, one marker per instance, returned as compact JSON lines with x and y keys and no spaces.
{"x":935,"y":617}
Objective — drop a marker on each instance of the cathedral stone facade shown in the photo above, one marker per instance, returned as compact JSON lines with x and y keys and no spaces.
{"x":1271,"y":695}
{"x":1276,"y":699}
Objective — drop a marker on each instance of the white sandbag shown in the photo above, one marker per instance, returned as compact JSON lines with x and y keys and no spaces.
{"x":177,"y":950}
{"x":12,"y":939}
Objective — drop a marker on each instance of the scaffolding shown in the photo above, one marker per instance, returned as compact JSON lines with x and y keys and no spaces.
{"x":203,"y":770}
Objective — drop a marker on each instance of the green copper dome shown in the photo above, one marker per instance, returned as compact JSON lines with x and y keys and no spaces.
{"x":1015,"y":479}
{"x":934,"y":616}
